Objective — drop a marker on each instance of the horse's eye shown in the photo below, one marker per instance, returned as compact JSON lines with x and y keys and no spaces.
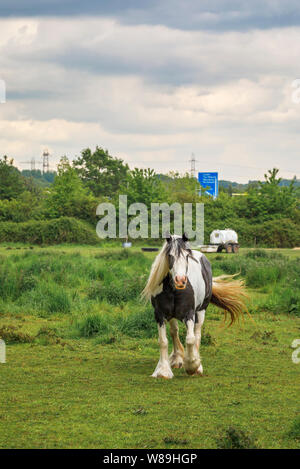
{"x":171,"y":261}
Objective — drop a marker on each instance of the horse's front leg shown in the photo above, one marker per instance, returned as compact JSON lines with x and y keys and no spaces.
{"x":200,"y":316}
{"x":163,"y":369}
{"x":191,"y":358}
{"x":176,"y":357}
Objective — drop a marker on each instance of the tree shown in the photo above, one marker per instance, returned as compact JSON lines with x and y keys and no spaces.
{"x":143,"y":185}
{"x":269,"y":200}
{"x":11,"y":180}
{"x":100,"y":172}
{"x":68,"y":196}
{"x":182,"y":188}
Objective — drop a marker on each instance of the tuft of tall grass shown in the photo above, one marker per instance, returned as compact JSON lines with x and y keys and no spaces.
{"x":286,"y":301}
{"x":258,"y":276}
{"x":140,"y":323}
{"x":295,"y":429}
{"x":47,"y":298}
{"x":257,"y":253}
{"x":117,"y":290}
{"x":235,"y":438}
{"x":93,"y":324}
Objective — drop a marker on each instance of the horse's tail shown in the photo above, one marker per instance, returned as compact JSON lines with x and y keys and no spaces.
{"x":229,"y":295}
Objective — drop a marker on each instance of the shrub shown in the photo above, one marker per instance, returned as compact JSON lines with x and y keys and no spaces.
{"x":60,"y":230}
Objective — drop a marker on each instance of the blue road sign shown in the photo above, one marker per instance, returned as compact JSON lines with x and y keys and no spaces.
{"x":209,"y":181}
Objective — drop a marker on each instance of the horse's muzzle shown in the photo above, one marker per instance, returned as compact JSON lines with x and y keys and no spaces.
{"x":180,"y":282}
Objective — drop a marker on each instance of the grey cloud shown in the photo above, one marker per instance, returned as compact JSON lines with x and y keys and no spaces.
{"x":157,"y":93}
{"x":181,"y":14}
{"x":156,"y":54}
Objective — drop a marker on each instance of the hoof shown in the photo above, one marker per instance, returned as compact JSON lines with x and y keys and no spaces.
{"x":163,"y":371}
{"x":193,"y":367}
{"x":159,"y":375}
{"x":199,"y":371}
{"x":177,"y":365}
{"x":176,"y":361}
{"x":162,"y":377}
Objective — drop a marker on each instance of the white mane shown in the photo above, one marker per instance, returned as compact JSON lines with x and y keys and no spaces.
{"x":158,"y":272}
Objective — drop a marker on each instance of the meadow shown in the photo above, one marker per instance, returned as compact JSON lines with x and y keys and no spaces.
{"x":81,"y":347}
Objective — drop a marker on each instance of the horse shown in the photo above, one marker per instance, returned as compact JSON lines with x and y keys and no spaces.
{"x":180,"y":287}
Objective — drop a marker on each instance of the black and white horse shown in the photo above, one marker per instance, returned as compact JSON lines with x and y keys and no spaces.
{"x":180,"y":287}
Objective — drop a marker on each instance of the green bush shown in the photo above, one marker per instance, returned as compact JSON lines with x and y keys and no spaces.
{"x":279,"y":233}
{"x":60,"y":230}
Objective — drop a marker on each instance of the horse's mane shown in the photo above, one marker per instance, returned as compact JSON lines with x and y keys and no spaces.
{"x":158,"y":272}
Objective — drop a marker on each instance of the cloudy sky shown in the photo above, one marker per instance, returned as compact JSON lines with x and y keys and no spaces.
{"x":153,"y":81}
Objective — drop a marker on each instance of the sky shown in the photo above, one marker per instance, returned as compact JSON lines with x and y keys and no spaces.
{"x":154,"y":81}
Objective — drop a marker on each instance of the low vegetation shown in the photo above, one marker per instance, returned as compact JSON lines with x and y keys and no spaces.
{"x":81,"y":346}
{"x":235,"y":438}
{"x":56,"y":231}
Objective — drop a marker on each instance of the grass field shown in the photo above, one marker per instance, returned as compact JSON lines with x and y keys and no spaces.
{"x":81,"y":347}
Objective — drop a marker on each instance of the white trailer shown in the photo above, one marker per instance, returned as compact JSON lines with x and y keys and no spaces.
{"x":222,"y":240}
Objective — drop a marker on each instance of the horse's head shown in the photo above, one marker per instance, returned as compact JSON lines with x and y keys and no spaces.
{"x":178,"y":252}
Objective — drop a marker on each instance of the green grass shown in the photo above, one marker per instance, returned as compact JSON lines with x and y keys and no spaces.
{"x":81,"y":348}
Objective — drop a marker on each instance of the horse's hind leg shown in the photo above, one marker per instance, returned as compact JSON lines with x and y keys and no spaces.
{"x":191,"y":358}
{"x":176,"y":357}
{"x":163,"y":369}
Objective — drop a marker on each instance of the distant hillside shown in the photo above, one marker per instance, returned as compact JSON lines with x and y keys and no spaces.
{"x":238,"y":187}
{"x":43,"y":180}
{"x":284,"y":182}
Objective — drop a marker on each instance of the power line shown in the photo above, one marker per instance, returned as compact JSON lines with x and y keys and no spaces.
{"x":45,"y":161}
{"x":216,"y":164}
{"x":31,"y":162}
{"x":193,"y":165}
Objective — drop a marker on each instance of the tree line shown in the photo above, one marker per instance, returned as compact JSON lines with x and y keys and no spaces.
{"x":268,"y":213}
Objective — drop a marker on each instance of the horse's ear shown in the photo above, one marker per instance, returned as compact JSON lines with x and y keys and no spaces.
{"x":185,"y":237}
{"x":168,"y":236}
